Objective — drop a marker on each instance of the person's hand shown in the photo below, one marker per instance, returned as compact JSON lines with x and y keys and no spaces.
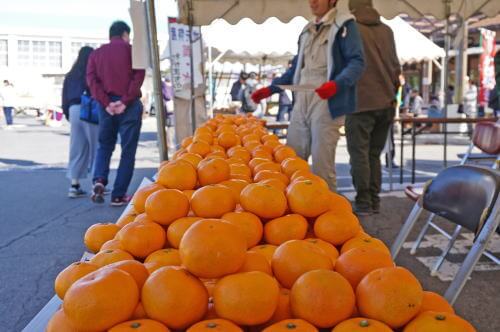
{"x":110,"y":109}
{"x":119,"y":107}
{"x":260,"y":94}
{"x":327,"y":90}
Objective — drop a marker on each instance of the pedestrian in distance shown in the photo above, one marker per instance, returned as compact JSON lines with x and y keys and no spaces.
{"x":83,"y":134}
{"x":238,"y":86}
{"x":416,"y":103}
{"x":8,"y":101}
{"x":470,"y":98}
{"x":330,"y":58}
{"x":367,"y":129}
{"x":117,"y":87}
{"x":285,"y":107}
{"x":285,"y":104}
{"x":495,"y":93}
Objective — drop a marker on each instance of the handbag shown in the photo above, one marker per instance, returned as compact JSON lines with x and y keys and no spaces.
{"x":89,"y":109}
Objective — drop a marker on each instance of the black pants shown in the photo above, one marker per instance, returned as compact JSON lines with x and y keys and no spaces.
{"x":366,"y":134}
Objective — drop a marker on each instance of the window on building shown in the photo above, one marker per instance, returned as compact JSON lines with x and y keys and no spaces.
{"x":23,"y":53}
{"x":55,"y":54}
{"x":39,"y":53}
{"x":4,"y":53}
{"x":76,"y":46}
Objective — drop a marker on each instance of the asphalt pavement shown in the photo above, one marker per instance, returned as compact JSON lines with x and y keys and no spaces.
{"x":41,"y":230}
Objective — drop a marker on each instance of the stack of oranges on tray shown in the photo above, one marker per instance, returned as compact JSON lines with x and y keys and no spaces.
{"x":237,"y":234}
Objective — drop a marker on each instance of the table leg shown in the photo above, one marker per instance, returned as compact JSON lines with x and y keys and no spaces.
{"x":413,"y":141}
{"x":401,"y":153}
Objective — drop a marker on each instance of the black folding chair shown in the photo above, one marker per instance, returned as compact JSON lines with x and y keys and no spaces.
{"x":468,"y":197}
{"x":486,"y":139}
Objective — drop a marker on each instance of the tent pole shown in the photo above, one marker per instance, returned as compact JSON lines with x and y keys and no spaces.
{"x":461,"y":61}
{"x":447,"y":4}
{"x":443,"y":88}
{"x":155,"y":63}
{"x":210,"y":79}
{"x":191,"y":60}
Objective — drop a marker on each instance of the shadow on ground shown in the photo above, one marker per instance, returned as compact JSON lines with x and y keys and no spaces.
{"x":19,"y":162}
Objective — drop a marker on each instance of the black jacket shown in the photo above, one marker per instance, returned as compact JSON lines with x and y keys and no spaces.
{"x":73,"y":87}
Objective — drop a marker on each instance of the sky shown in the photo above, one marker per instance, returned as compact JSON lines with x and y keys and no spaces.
{"x":79,"y":15}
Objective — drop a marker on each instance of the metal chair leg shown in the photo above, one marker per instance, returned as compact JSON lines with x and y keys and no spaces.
{"x":467,"y":154}
{"x":445,"y":252}
{"x":406,"y":229}
{"x":474,"y":254}
{"x":420,"y":237}
{"x":497,"y":163}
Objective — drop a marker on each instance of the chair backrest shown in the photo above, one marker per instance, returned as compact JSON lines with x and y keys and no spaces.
{"x":464,"y":195}
{"x":487,"y":137}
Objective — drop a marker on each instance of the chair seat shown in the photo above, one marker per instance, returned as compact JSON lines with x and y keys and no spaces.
{"x":463,"y":194}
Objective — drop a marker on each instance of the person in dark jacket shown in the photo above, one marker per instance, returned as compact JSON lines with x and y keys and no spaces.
{"x":83,"y":135}
{"x":367,"y":129}
{"x":285,"y":104}
{"x":237,"y":88}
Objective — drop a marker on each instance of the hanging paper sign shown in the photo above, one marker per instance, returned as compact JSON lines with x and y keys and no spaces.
{"x":487,"y":65}
{"x":180,"y":57}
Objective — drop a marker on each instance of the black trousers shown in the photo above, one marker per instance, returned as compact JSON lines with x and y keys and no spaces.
{"x":366,"y":134}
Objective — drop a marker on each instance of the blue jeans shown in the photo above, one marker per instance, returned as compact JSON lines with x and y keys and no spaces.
{"x":7,"y":111}
{"x":128,"y":125}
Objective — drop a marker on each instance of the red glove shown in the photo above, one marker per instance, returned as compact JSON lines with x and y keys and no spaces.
{"x":260,"y":94}
{"x":327,"y":90}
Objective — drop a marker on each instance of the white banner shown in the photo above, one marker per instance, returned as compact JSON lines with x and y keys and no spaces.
{"x":180,"y":58}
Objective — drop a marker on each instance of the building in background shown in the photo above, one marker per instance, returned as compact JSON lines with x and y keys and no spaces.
{"x":35,"y":61}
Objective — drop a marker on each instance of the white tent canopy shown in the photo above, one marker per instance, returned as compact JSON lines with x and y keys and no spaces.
{"x":205,"y":11}
{"x":274,"y":42}
{"x":259,"y":58}
{"x":411,"y":45}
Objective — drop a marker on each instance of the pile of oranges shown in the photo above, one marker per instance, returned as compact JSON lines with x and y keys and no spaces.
{"x":237,"y":234}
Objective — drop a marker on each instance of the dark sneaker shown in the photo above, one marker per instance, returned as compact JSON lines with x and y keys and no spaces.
{"x":376,"y":208}
{"x":98,"y":193}
{"x":120,"y":201}
{"x":363,"y":211}
{"x":76,"y":192}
